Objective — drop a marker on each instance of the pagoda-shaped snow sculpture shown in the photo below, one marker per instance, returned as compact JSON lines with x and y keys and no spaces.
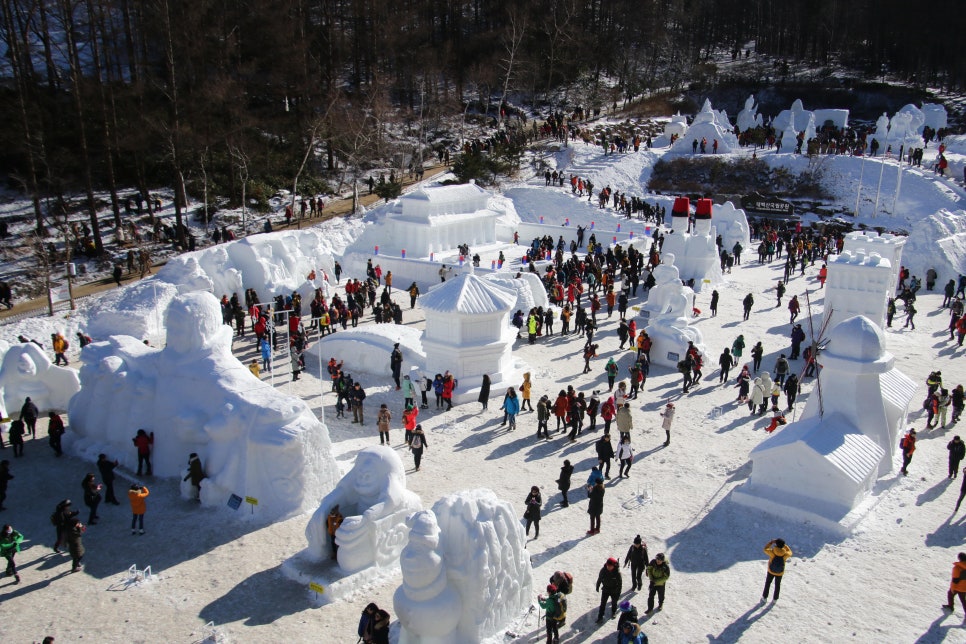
{"x":709,"y":125}
{"x":863,"y":277}
{"x":695,"y":253}
{"x":822,"y":467}
{"x":468,"y":334}
{"x":668,"y":313}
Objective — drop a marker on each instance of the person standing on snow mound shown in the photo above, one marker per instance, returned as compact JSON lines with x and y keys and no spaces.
{"x":778,"y":554}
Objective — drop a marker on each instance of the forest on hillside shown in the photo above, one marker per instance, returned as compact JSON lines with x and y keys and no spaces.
{"x":219,"y":97}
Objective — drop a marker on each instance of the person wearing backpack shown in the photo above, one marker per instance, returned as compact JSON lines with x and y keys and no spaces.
{"x":778,"y":553}
{"x":555,"y":606}
{"x":417,"y":445}
{"x":630,"y":633}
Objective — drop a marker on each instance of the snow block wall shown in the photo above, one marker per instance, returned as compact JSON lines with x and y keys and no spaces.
{"x":197,"y":397}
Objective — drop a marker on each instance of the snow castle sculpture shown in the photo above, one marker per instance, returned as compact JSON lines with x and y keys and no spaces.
{"x":474,"y":566}
{"x":27,"y":371}
{"x":821,"y":467}
{"x":197,"y":397}
{"x":863,"y":276}
{"x":710,"y":125}
{"x":695,"y":253}
{"x":374,"y":500}
{"x":668,"y":313}
{"x":732,"y":224}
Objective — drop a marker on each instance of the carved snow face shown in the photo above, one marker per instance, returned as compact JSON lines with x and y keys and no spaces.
{"x":26,"y":366}
{"x":371,"y":475}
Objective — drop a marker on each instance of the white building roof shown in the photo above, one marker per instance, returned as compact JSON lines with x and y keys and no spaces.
{"x":469,"y":295}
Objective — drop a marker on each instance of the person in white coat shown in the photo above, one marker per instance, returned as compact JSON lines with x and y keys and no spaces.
{"x":625,"y":454}
{"x":668,"y":415}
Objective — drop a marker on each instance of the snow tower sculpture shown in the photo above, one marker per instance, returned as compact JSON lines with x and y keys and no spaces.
{"x":668,"y":313}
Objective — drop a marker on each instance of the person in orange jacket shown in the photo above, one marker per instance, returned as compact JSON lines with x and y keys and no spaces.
{"x":778,"y":553}
{"x":957,"y":587}
{"x":136,"y":496}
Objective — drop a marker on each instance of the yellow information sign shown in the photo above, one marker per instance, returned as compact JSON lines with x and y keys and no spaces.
{"x":319,"y":588}
{"x":251,"y":500}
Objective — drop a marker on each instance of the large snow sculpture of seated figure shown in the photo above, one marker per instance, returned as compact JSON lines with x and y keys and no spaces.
{"x":374,"y":499}
{"x":668,"y":312}
{"x":27,"y":371}
{"x":198,"y":398}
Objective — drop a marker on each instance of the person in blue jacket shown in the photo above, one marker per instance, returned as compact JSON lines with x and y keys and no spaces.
{"x":511,"y":405}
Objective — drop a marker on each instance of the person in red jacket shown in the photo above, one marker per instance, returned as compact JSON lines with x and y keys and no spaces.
{"x":908,"y":445}
{"x":143,"y":441}
{"x":957,"y":587}
{"x":449,"y":384}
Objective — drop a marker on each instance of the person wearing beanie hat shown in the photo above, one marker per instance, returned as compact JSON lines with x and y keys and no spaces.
{"x":658,"y":572}
{"x":555,"y":606}
{"x":627,"y":617}
{"x":609,"y":583}
{"x":637,"y":559}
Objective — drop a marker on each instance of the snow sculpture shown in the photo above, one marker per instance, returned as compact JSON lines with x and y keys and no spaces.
{"x":197,"y":397}
{"x":749,"y":118}
{"x":709,"y":125}
{"x":668,"y":313}
{"x":695,"y":253}
{"x":427,"y":603}
{"x":468,"y":333}
{"x":375,"y":502}
{"x":934,"y":115}
{"x":917,"y":118}
{"x":822,"y":467}
{"x":483,"y":556}
{"x":863,"y":277}
{"x":732,"y":224}
{"x":529,"y":288}
{"x":133,"y":310}
{"x":27,"y":371}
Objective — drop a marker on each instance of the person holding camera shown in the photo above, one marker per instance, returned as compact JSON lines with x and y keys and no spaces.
{"x":137,"y":495}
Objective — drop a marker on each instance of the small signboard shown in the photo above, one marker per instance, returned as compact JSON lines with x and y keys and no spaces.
{"x":672,"y":357}
{"x":318,"y":588}
{"x":251,"y":500}
{"x":234,"y":501}
{"x":59,"y":294}
{"x":644,"y":313}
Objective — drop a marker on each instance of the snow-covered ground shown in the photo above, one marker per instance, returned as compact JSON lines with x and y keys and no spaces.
{"x":216,"y":565}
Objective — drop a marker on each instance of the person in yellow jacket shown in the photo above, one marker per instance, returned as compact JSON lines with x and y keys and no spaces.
{"x":136,"y":496}
{"x":525,"y":391}
{"x":778,"y":553}
{"x":60,"y":348}
{"x":957,"y":587}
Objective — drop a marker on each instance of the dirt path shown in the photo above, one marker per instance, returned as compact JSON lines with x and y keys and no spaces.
{"x":334,"y":208}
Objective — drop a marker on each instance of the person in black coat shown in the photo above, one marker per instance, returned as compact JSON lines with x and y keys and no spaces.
{"x":714,"y":303}
{"x":29,"y":414}
{"x":595,"y":507}
{"x":605,"y":454}
{"x":957,"y":451}
{"x":726,"y":361}
{"x":637,"y":559}
{"x":534,"y":503}
{"x":563,"y":483}
{"x":484,"y":397}
{"x":106,"y":468}
{"x":609,"y":583}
